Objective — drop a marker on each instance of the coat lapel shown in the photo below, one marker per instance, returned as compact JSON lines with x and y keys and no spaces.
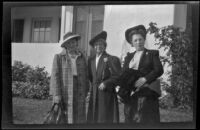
{"x":93,"y":65}
{"x":142,"y":58}
{"x":64,"y":58}
{"x":101,"y":64}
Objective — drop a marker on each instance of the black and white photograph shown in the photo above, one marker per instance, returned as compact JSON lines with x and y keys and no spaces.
{"x":100,"y":65}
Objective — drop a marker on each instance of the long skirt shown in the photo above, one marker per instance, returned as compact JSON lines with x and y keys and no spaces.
{"x":143,"y":108}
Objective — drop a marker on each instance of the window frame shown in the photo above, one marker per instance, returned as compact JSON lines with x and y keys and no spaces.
{"x":50,"y":19}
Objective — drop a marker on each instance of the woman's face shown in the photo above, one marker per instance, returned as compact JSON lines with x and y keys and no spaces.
{"x":138,"y":42}
{"x":72,"y":45}
{"x":99,"y":47}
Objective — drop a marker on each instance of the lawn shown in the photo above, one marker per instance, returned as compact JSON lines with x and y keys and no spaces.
{"x":32,"y":111}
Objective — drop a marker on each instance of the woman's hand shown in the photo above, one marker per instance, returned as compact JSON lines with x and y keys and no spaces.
{"x":57,"y":99}
{"x":88,"y":97}
{"x":141,"y":81}
{"x":102,"y":86}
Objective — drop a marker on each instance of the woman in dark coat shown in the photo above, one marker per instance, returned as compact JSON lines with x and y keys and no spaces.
{"x":103,"y":72}
{"x":143,"y":106}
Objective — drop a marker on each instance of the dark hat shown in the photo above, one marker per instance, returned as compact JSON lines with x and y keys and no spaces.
{"x":69,"y":36}
{"x":102,"y":35}
{"x":140,"y":28}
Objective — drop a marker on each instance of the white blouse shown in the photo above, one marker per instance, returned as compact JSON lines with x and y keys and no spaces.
{"x":73,"y":61}
{"x":134,"y":63}
{"x":97,"y":59}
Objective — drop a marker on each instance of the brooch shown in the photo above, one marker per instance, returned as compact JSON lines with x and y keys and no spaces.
{"x":105,"y":59}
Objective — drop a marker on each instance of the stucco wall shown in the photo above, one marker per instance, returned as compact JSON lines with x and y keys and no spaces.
{"x":118,"y":18}
{"x":27,"y":13}
{"x":36,"y":54}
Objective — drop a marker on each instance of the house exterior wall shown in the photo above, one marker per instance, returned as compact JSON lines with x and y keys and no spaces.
{"x":118,"y":18}
{"x":27,"y":13}
{"x":41,"y":54}
{"x":35,"y":54}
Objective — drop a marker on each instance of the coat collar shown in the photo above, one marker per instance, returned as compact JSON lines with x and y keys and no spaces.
{"x":103,"y":54}
{"x":64,"y":52}
{"x":131,"y":55}
{"x":142,"y":57}
{"x":100,"y":63}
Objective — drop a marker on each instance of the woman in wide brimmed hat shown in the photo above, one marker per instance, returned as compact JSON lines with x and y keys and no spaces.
{"x":103,"y":71}
{"x":144,"y":105}
{"x":69,"y":79}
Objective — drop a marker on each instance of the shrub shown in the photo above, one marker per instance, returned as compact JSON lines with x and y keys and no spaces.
{"x":166,"y":101}
{"x":179,"y":56}
{"x":29,"y":82}
{"x":37,"y":76}
{"x":29,"y":90}
{"x":19,"y":71}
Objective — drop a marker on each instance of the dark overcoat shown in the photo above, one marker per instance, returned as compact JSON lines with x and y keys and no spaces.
{"x":145,"y":109}
{"x":103,"y":105}
{"x":150,"y":66}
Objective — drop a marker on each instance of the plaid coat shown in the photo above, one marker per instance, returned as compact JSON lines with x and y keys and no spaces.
{"x":62,"y":84}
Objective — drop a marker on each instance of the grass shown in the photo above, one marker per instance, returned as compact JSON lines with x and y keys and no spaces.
{"x":32,"y":111}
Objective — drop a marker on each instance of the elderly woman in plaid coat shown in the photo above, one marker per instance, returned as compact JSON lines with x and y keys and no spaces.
{"x":69,"y":80}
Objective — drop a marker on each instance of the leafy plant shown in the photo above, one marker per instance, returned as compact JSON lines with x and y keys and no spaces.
{"x":19,"y":71}
{"x":29,"y":82}
{"x":29,"y":90}
{"x":178,"y":45}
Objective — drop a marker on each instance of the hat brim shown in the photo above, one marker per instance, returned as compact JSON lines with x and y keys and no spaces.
{"x":71,"y":37}
{"x":128,"y":31}
{"x":127,"y":35}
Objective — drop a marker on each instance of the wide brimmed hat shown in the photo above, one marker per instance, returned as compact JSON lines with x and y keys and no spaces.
{"x":129,"y":32}
{"x":69,"y":36}
{"x":102,"y":35}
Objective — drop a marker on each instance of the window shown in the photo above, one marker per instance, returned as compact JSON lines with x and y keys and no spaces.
{"x":18,"y":29}
{"x":41,"y":30}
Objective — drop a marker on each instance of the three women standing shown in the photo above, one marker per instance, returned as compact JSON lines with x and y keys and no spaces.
{"x":70,"y":76}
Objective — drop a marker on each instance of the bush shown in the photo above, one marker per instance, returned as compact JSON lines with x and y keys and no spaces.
{"x":37,"y":76}
{"x":179,"y":56}
{"x":167,"y":101}
{"x":29,"y":90}
{"x":19,"y":71}
{"x":30,"y":82}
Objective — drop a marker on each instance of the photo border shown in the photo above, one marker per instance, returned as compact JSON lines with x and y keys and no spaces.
{"x":7,"y":121}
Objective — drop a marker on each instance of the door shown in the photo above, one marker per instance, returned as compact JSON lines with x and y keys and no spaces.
{"x":88,"y":22}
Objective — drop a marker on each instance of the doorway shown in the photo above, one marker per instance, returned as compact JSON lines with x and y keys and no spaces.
{"x":88,"y":22}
